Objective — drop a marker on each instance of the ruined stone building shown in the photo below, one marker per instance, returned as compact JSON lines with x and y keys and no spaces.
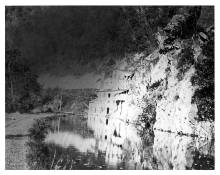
{"x":109,"y":112}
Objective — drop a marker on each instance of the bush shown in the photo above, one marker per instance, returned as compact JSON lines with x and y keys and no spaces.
{"x":22,"y":88}
{"x":204,"y":95}
{"x":185,"y":61}
{"x":39,"y":156}
{"x":204,"y":80}
{"x":147,"y":120}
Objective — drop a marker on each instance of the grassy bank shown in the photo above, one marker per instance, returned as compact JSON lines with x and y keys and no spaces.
{"x":16,"y":135}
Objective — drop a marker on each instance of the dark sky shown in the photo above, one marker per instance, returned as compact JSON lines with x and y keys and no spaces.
{"x":76,"y":39}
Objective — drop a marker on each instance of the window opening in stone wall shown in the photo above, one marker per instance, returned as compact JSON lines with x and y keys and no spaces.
{"x":109,"y":95}
{"x":107,"y":110}
{"x":117,"y":102}
{"x":115,"y":133}
{"x":106,"y":122}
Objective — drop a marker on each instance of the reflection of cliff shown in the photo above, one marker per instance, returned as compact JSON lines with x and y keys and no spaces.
{"x":178,"y":152}
{"x":118,"y":156}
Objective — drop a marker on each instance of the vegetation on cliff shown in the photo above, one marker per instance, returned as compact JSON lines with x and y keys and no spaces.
{"x":204,"y":79}
{"x":186,"y":52}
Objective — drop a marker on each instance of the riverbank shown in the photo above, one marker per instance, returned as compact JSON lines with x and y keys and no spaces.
{"x":16,"y":135}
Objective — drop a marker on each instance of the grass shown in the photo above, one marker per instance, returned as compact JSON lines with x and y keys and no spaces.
{"x":16,"y":130}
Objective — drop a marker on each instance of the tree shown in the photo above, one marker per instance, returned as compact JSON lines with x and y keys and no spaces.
{"x":22,"y":88}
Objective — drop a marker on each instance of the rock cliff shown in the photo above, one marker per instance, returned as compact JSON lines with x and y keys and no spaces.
{"x":172,"y":89}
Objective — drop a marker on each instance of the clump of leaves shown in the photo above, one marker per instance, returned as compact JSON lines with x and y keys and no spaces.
{"x":21,"y":86}
{"x":204,"y":98}
{"x":185,"y":62}
{"x":38,"y":156}
{"x":204,"y":73}
{"x":204,"y":95}
{"x":203,"y":162}
{"x":208,"y":47}
{"x":156,"y":84}
{"x":147,"y":119}
{"x":39,"y":130}
{"x":149,"y":115}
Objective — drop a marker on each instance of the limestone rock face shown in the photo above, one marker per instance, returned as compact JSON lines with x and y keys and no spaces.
{"x":157,"y":80}
{"x":172,"y":78}
{"x":175,"y":111}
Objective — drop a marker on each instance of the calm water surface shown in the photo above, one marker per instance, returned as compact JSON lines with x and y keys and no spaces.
{"x":76,"y":145}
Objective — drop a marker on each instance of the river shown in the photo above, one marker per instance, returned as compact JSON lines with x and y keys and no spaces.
{"x":72,"y":143}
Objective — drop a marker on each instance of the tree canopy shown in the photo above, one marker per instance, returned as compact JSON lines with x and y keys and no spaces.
{"x":70,"y":35}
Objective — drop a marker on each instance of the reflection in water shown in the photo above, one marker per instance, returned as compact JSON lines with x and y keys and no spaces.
{"x":67,"y":139}
{"x":121,"y":148}
{"x":178,"y":152}
{"x":126,"y":149}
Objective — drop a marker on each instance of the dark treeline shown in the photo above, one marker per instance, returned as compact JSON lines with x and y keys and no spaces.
{"x":22,"y":88}
{"x":49,"y":36}
{"x":62,"y":35}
